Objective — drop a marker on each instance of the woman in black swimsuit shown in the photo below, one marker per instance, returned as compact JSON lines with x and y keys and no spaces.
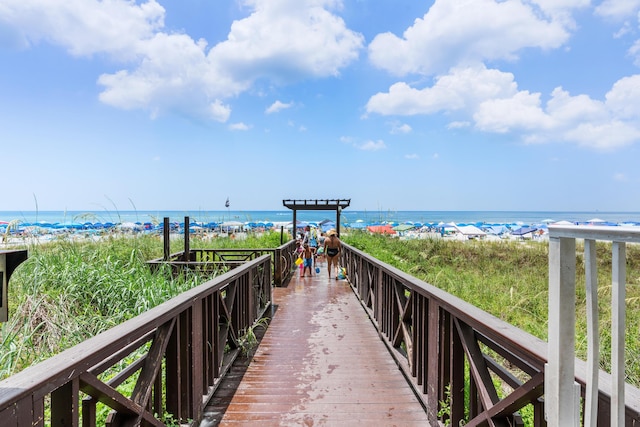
{"x":332,"y":246}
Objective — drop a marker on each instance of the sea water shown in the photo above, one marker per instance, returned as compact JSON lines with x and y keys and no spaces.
{"x":346,"y":217}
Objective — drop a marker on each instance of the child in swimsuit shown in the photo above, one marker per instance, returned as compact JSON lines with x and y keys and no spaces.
{"x":307,"y":256}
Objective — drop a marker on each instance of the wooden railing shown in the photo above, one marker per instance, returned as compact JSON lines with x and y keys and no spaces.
{"x":215,"y":260}
{"x":172,"y":357}
{"x":463,"y":363}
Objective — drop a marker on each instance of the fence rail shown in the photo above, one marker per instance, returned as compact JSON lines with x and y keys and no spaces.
{"x":213,"y":260}
{"x":175,"y":354}
{"x":463,"y":363}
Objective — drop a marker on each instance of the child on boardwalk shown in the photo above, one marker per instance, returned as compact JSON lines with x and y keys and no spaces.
{"x":308,"y":254}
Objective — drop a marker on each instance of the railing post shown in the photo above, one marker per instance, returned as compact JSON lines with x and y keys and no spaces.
{"x":593,"y":334}
{"x":618,"y":313}
{"x":277,"y":267}
{"x":433,"y":360}
{"x":186,"y":254}
{"x":166,"y":239}
{"x":562,"y":405}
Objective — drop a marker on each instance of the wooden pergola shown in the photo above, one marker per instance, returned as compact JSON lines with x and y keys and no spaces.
{"x":317,"y":205}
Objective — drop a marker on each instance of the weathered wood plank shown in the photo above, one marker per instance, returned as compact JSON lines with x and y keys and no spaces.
{"x":319,"y":362}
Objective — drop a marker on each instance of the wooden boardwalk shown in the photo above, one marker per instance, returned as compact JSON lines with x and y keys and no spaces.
{"x":320,"y":363}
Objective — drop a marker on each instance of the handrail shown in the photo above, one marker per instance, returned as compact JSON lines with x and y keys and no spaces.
{"x":208,"y":259}
{"x":176,"y":353}
{"x":452,"y":352}
{"x":563,"y":395}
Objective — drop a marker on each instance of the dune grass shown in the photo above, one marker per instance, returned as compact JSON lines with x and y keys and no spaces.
{"x":509,"y":279}
{"x":68,"y":291}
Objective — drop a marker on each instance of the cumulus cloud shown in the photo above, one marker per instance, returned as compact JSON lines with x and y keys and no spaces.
{"x":84,"y":27}
{"x":162,"y":71}
{"x":618,"y":9}
{"x":372,"y":145}
{"x":464,"y":32}
{"x":460,"y":89}
{"x":454,"y":40}
{"x":400,"y":128}
{"x":239,"y":126}
{"x":492,"y":100}
{"x":286,"y":40}
{"x":278,"y":106}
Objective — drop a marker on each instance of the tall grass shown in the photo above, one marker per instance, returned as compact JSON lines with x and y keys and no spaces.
{"x":68,"y":291}
{"x":509,"y":279}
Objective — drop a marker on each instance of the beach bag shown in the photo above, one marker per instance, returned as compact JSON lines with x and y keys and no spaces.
{"x":342,"y":273}
{"x":318,"y":270}
{"x":299,"y":261}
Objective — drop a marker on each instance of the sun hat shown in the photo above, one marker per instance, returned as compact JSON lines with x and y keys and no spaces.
{"x":331,"y":232}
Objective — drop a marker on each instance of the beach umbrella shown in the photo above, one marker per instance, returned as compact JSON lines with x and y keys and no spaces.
{"x":596,"y":220}
{"x":129,"y":226}
{"x":355,"y":225}
{"x":563,"y":223}
{"x":404,"y":227}
{"x":327,"y":225}
{"x":232,"y":224}
{"x":68,"y":225}
{"x":381,"y":229}
{"x":523,"y":230}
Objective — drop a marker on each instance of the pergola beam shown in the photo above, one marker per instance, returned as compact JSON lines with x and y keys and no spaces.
{"x":316,"y":205}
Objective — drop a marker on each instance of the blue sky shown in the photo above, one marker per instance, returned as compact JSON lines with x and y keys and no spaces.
{"x":395,"y":104}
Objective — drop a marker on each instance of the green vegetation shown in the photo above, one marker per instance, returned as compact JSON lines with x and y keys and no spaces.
{"x":68,"y":291}
{"x":509,"y":279}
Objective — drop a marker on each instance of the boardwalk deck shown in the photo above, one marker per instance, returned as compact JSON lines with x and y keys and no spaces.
{"x":320,"y":363}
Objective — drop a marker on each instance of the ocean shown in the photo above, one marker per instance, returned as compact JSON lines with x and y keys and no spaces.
{"x":347,"y":216}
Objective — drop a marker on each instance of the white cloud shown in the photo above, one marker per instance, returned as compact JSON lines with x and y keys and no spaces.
{"x":400,"y":128}
{"x":461,"y":89}
{"x":603,"y":136}
{"x":618,"y":9}
{"x":492,"y":100}
{"x":84,"y":27}
{"x":460,"y":32}
{"x":454,"y":39}
{"x":286,"y":40}
{"x":277,"y":107}
{"x":346,"y":139}
{"x":372,"y":145}
{"x":280,"y":40}
{"x":239,"y":126}
{"x":624,"y":98}
{"x":411,"y":156}
{"x":501,"y":115}
{"x":458,"y":125}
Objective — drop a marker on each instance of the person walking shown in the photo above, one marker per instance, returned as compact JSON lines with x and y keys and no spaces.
{"x":307,"y":259}
{"x":332,"y":248}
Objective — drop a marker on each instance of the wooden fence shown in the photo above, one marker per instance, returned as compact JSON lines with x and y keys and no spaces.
{"x":215,"y":260}
{"x":465,"y":364}
{"x":172,"y":358}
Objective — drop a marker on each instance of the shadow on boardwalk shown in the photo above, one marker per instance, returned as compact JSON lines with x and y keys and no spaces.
{"x":320,"y":362}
